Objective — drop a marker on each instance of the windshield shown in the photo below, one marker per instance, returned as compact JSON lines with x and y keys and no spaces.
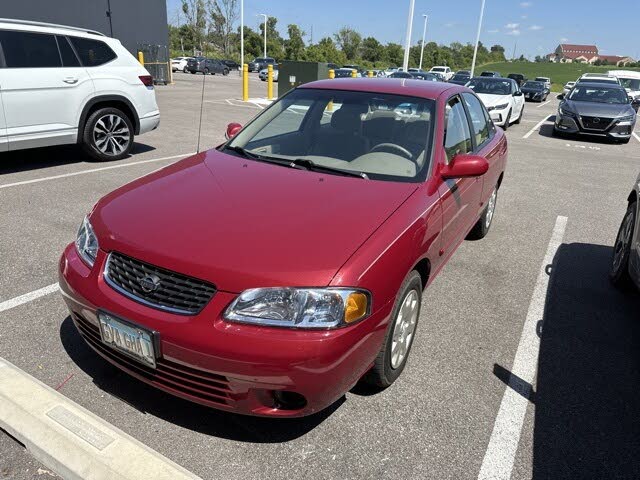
{"x":582,"y":93}
{"x":542,"y":79}
{"x":630,"y":83}
{"x":386,"y":137}
{"x":533,"y":85}
{"x":492,"y":87}
{"x":461,"y":77}
{"x":438,"y":69}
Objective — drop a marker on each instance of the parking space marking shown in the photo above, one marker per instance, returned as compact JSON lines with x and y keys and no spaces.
{"x":538,"y":125}
{"x":93,"y":170}
{"x":543,"y":104}
{"x":27,"y":297}
{"x":635,"y":135}
{"x":503,"y":445}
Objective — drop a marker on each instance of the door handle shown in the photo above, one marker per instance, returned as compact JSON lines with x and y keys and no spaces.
{"x":70,"y":80}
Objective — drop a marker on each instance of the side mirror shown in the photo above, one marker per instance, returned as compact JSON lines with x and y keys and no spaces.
{"x":561,"y":96}
{"x":464,"y":166}
{"x":232,"y":130}
{"x":517,"y":94}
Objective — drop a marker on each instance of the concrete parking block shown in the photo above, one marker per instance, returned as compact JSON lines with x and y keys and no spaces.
{"x":70,"y":440}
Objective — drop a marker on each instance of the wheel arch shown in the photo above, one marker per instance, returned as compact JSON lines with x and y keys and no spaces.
{"x":423,"y":267}
{"x":633,"y":197}
{"x":104,"y":101}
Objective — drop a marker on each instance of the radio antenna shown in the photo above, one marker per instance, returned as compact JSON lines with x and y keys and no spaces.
{"x":204,"y":75}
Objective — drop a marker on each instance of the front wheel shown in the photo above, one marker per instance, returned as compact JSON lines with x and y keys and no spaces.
{"x":185,"y":70}
{"x":225,"y":72}
{"x":398,"y":340}
{"x":507,"y":121}
{"x":520,"y":116}
{"x":108,"y":134}
{"x":482,"y":226}
{"x":619,"y":274}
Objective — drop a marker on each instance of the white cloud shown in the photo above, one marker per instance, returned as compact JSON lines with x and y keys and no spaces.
{"x":449,"y":25}
{"x":564,"y":39}
{"x":526,"y":4}
{"x":493,"y":31}
{"x":524,"y":17}
{"x":515,"y":32}
{"x":511,"y":26}
{"x":535,"y":27}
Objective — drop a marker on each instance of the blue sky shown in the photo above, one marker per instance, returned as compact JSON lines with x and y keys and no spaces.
{"x":536,"y":25}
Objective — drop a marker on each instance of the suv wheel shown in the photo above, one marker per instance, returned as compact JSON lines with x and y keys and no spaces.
{"x":619,"y":273}
{"x":185,"y":70}
{"x":108,"y":134}
{"x":205,"y":71}
{"x":225,"y":72}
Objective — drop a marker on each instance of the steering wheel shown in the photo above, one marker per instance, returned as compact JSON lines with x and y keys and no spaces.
{"x":393,"y":146}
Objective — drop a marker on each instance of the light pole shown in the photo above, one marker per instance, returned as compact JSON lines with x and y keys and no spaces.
{"x":475,"y":50}
{"x":424,"y":33}
{"x":265,"y":31}
{"x":241,"y":34}
{"x":407,"y":42}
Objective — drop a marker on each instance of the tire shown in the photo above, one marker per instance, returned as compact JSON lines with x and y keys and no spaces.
{"x":482,"y":226}
{"x":225,"y":72}
{"x":205,"y":71}
{"x":391,"y":360}
{"x":505,"y":127}
{"x":517,"y":122}
{"x":619,"y":273}
{"x":193,"y":72}
{"x":96,"y":140}
{"x":185,"y":70}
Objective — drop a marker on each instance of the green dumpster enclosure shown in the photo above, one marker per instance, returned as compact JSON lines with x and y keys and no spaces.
{"x":291,"y":74}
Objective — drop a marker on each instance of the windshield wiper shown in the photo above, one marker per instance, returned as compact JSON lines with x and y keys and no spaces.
{"x":261,"y":158}
{"x":311,"y":165}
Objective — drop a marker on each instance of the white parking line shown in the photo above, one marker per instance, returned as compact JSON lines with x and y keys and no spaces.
{"x":27,"y":297}
{"x":503,"y":445}
{"x":636,"y":136}
{"x":538,"y":125}
{"x":543,"y":104}
{"x":93,"y":170}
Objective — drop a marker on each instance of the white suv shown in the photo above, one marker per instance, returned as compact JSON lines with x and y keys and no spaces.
{"x":445,"y":71}
{"x":63,"y":85}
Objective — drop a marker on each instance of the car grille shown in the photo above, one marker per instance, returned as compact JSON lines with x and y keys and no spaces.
{"x":174,"y":292}
{"x":596,"y":123}
{"x":192,"y":383}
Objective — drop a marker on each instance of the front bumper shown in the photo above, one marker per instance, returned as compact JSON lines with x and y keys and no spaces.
{"x":499,"y":117}
{"x":534,"y":97}
{"x":229,"y":366}
{"x":571,"y":124}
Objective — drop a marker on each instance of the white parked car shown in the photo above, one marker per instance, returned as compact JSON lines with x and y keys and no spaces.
{"x":629,"y":79}
{"x":390,"y":71}
{"x":567,"y":88}
{"x":502,"y":97}
{"x":65,"y":85}
{"x":546,"y":80}
{"x":598,"y":78}
{"x":179,"y":64}
{"x":445,"y":71}
{"x":264,"y":72}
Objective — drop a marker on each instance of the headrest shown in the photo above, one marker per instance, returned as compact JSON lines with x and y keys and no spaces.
{"x":347,"y":118}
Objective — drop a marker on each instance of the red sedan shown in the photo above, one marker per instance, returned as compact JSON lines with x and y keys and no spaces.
{"x":271,"y":274}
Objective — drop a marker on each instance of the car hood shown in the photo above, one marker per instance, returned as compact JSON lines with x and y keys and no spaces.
{"x":593,"y":109}
{"x":491,"y":100}
{"x":531,"y":90}
{"x":241,"y":223}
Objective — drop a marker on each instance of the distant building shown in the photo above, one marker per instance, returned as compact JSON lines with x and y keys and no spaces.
{"x":569,"y":53}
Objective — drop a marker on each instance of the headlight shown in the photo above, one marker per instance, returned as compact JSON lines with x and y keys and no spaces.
{"x":87,"y":243}
{"x":300,"y":307}
{"x":565,"y":112}
{"x":628,"y":118}
{"x":499,"y":107}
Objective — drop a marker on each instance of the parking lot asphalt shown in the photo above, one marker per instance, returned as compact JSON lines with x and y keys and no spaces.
{"x":582,"y":412}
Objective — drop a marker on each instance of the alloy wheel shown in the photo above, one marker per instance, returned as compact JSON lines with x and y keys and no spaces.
{"x":491,"y":208}
{"x":111,"y":135}
{"x":623,"y":241}
{"x":404,"y":328}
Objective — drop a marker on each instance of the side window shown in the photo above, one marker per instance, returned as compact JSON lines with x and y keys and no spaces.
{"x":29,"y":50}
{"x":92,"y":52}
{"x":286,"y":122}
{"x":479,"y":123}
{"x":69,"y":58}
{"x":457,"y":137}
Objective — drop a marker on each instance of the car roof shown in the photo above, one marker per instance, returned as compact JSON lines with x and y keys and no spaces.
{"x":31,"y":26}
{"x":494,"y":79}
{"x":394,"y":86}
{"x":602,"y":85}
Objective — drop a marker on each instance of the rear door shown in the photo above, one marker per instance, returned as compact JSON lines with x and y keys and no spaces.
{"x":4,"y":141}
{"x":44,"y":89}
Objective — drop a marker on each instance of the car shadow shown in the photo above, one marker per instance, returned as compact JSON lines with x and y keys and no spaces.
{"x":181,"y":412}
{"x":587,"y":405}
{"x":45,"y":157}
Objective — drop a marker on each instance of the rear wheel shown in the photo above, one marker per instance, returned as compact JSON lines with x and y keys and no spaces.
{"x":482,"y":226}
{"x":108,"y":134}
{"x":225,"y":72}
{"x":619,"y":274}
{"x":398,"y":340}
{"x":205,"y":71}
{"x":193,"y":72}
{"x":185,"y":70}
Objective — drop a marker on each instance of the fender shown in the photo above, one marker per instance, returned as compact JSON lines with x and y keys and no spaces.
{"x":107,"y":98}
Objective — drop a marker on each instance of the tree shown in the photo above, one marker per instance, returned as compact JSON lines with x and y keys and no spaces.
{"x":294,"y":45}
{"x":223,"y":15}
{"x":195,"y":12}
{"x":349,"y":42}
{"x":252,"y":43}
{"x":393,"y":54}
{"x":372,"y":50}
{"x":325,"y":51}
{"x":274,"y":40}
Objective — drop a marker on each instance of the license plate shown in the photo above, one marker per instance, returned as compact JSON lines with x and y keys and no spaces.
{"x":128,"y":338}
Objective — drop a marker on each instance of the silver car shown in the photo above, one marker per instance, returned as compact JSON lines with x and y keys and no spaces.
{"x":263,"y":74}
{"x":625,"y":264}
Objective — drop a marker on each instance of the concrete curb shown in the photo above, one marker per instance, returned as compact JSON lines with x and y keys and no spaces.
{"x":70,"y":440}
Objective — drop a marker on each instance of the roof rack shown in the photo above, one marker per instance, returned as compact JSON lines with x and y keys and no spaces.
{"x":52,"y":25}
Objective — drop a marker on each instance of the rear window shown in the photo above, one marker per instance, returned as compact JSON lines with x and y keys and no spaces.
{"x":29,"y":50}
{"x":92,"y":52}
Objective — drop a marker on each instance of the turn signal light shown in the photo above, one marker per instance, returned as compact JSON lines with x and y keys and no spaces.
{"x":356,"y":307}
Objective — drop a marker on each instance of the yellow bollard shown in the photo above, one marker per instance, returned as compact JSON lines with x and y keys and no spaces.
{"x":141,"y":58}
{"x":354,"y":74}
{"x":370,"y":73}
{"x":245,"y":82}
{"x":269,"y":82}
{"x":332,"y":73}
